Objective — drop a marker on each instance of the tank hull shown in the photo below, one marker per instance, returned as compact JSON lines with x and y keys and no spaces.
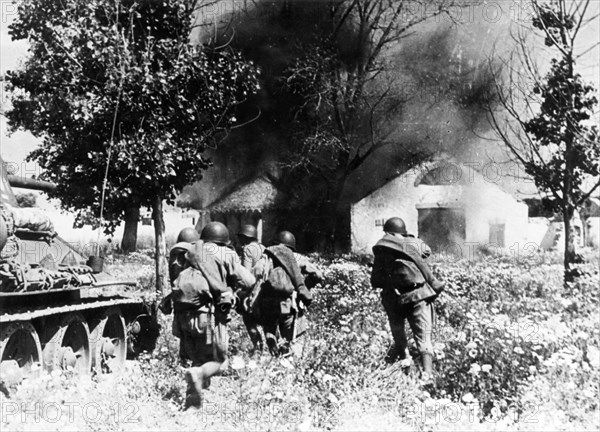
{"x":56,"y":311}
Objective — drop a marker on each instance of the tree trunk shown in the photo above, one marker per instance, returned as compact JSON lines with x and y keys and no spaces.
{"x":160,"y":247}
{"x":569,"y":256}
{"x":132,"y":218}
{"x":337,"y":214}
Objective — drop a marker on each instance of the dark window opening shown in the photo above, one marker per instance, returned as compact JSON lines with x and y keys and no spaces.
{"x":443,"y":229}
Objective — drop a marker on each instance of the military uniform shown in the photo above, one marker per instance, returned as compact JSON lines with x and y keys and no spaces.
{"x":202,"y":297}
{"x":277,"y":308}
{"x":177,"y":263}
{"x":251,"y":254}
{"x":407,"y":291}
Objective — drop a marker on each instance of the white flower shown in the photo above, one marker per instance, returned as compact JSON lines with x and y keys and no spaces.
{"x":237,"y":363}
{"x":519,"y":350}
{"x":475,"y":369}
{"x":471,"y":345}
{"x":438,"y":346}
{"x":252,"y":365}
{"x":593,"y":355}
{"x":286,"y":364}
{"x":532,"y":369}
{"x":589,"y":393}
{"x":468,"y":398}
{"x":486,"y":368}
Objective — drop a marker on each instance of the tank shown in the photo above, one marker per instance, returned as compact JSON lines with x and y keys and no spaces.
{"x":58,"y":308}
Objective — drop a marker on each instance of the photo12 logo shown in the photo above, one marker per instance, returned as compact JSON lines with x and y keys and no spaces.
{"x":8,"y":10}
{"x":54,"y":412}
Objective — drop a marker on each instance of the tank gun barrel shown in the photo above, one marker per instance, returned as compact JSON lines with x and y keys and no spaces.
{"x":32,"y":184}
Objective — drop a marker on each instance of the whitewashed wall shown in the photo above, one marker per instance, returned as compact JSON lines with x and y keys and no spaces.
{"x":483,"y":201}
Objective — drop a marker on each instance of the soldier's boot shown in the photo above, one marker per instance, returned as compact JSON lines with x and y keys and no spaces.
{"x":273,"y":345}
{"x":427,"y":360}
{"x":393,"y":354}
{"x":195,"y":383}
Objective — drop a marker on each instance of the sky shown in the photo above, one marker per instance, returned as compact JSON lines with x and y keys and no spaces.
{"x":14,"y":148}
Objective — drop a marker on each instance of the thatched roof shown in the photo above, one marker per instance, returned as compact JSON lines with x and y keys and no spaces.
{"x":254,"y":195}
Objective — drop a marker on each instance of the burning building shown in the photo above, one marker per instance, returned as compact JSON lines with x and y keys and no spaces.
{"x":452,"y":206}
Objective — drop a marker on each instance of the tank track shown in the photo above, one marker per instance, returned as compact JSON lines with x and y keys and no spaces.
{"x":29,"y":315}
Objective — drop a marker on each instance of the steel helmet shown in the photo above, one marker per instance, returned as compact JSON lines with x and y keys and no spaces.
{"x":395,"y":225}
{"x":248,"y":231}
{"x":215,"y":232}
{"x":188,"y":235}
{"x":286,"y":238}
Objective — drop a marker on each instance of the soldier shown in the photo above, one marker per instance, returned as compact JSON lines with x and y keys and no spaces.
{"x":280,"y":283}
{"x":252,"y":250}
{"x":408,"y":290}
{"x":203,"y":301}
{"x":177,"y":262}
{"x":312,"y":276}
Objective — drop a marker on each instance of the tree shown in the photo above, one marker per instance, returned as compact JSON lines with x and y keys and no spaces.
{"x":124,"y":103}
{"x":347,"y":96}
{"x":548,"y":121}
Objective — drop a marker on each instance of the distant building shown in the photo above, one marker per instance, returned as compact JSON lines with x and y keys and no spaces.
{"x":591,"y":215}
{"x":450,"y":205}
{"x":252,"y":201}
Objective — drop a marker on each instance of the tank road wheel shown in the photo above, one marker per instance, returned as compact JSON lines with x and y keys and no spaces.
{"x":69,"y":347}
{"x":109,"y":341}
{"x":20,"y":352}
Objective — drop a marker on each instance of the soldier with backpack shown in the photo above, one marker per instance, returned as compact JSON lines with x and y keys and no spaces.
{"x":252,"y":251}
{"x":280,"y":285}
{"x":408,"y":290}
{"x":177,"y":263}
{"x":202,"y":300}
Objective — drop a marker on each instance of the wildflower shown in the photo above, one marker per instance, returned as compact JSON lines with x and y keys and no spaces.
{"x":486,"y":368}
{"x":286,"y":364}
{"x":471,"y":345}
{"x":532,"y":369}
{"x":468,"y":398}
{"x":252,"y":365}
{"x":440,"y":355}
{"x":475,"y":369}
{"x":593,"y":355}
{"x":237,"y":363}
{"x":519,"y":350}
{"x":515,"y":363}
{"x":589,"y":393}
{"x":582,"y":335}
{"x":473,"y":353}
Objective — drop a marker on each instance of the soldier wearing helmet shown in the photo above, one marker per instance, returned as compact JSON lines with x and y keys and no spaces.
{"x":408,"y":290}
{"x":252,"y":249}
{"x":203,"y":299}
{"x":251,"y":252}
{"x":186,"y":238}
{"x":279,"y":289}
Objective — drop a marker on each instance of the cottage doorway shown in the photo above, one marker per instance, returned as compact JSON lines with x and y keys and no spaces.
{"x":443,"y":229}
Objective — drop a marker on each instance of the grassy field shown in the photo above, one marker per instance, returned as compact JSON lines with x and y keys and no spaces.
{"x":515,"y":350}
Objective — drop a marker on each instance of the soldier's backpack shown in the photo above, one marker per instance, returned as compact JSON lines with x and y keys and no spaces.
{"x":279,"y":281}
